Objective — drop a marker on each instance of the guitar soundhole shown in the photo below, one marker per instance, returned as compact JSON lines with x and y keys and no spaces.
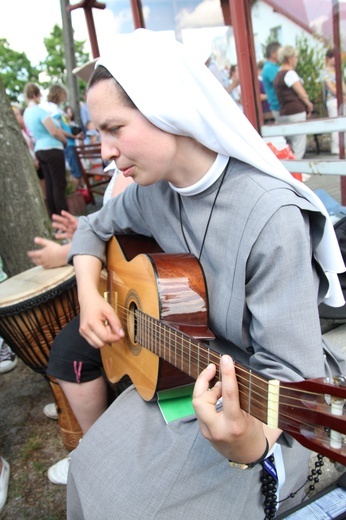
{"x":132,"y":306}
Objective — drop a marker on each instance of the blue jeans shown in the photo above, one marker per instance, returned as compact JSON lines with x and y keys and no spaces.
{"x":71,"y":158}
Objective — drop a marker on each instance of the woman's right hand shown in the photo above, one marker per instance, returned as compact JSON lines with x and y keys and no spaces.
{"x":99,"y":323}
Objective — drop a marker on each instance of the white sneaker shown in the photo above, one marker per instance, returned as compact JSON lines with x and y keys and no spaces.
{"x":4,"y":478}
{"x":57,"y":473}
{"x":50,"y":411}
{"x":8,"y":360}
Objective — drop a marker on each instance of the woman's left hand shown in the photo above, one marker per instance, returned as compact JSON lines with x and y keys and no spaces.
{"x":234,"y":433}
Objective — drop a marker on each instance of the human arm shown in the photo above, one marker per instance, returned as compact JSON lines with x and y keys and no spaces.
{"x":88,"y":255}
{"x":54,"y":130}
{"x":234,"y":433}
{"x":232,"y":85}
{"x":65,"y":224}
{"x":69,"y":135}
{"x":50,"y":255}
{"x":331,"y":86}
{"x":281,"y":331}
{"x":302,"y":94}
{"x":36,"y":162}
{"x":98,"y":322}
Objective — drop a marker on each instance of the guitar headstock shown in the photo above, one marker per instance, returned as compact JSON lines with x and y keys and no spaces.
{"x":312,"y":411}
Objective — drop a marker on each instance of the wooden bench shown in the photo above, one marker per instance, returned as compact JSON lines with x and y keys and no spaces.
{"x":90,"y":162}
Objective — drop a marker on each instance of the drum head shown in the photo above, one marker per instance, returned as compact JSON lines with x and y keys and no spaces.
{"x":32,"y":283}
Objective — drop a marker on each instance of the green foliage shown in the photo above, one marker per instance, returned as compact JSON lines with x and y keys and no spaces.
{"x":309,"y":68}
{"x":15,"y":71}
{"x":54,"y":65}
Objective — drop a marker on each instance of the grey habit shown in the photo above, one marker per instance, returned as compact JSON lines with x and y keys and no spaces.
{"x":263,"y":289}
{"x":269,"y":257}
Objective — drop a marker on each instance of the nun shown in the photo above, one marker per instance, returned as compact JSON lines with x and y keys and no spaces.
{"x":207,"y":185}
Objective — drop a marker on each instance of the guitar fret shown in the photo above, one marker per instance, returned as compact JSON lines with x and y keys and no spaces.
{"x":145,"y":331}
{"x":155,"y":334}
{"x":164,"y":343}
{"x":150,"y":339}
{"x":198,"y":364}
{"x":138,"y":322}
{"x":182,"y":357}
{"x":190,"y":349}
{"x":168,"y":356}
{"x":147,"y":334}
{"x":160,"y":341}
{"x":175,"y":348}
{"x":142,"y":329}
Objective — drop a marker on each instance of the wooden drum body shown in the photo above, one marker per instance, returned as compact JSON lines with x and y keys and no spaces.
{"x":34,"y":306}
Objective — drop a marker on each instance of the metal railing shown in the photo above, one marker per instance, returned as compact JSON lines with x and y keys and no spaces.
{"x":335,"y":166}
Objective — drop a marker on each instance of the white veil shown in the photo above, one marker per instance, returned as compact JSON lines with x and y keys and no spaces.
{"x":181,"y":96}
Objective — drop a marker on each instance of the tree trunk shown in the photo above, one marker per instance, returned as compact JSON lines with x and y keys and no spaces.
{"x":22,"y":208}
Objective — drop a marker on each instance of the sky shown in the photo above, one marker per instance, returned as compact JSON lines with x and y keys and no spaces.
{"x":25,"y":23}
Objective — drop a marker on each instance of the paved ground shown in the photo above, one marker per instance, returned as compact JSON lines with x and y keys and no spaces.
{"x":31,"y":442}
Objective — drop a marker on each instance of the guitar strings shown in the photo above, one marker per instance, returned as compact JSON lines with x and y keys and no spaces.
{"x":313,"y":435}
{"x":211,"y":356}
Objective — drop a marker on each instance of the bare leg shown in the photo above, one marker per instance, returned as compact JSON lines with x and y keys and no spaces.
{"x":87,"y":400}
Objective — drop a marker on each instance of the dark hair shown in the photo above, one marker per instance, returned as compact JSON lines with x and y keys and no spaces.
{"x":102,"y":74}
{"x":272,"y":47}
{"x":330,"y":53}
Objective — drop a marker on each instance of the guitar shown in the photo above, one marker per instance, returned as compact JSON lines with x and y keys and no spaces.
{"x":161,"y":301}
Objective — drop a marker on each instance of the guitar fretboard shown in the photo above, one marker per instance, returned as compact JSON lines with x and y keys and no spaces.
{"x":192,"y":356}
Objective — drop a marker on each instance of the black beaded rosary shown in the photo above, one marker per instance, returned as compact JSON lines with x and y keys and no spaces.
{"x":269,"y":481}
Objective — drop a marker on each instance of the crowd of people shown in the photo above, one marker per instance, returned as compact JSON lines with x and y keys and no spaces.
{"x":51,"y":133}
{"x":179,"y":137}
{"x":288,"y":98}
{"x":283,"y":96}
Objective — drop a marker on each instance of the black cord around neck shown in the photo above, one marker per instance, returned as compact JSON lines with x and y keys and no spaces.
{"x":223,"y":175}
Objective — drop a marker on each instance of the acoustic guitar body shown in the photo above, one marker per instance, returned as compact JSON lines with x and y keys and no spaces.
{"x":161,"y":301}
{"x":141,"y":286}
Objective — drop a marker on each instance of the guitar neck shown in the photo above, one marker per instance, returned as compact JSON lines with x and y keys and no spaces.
{"x":300,"y":409}
{"x":192,"y":356}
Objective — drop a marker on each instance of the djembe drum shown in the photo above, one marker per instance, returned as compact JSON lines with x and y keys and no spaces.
{"x":34,"y":306}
